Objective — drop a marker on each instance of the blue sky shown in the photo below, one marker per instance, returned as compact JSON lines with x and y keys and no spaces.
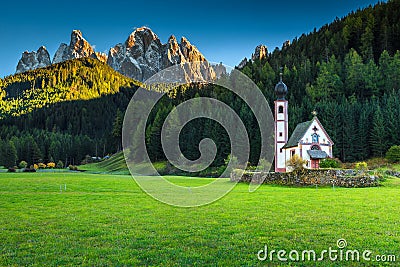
{"x":224,"y":31}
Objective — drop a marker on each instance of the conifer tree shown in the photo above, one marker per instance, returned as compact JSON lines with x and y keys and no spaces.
{"x":378,"y":134}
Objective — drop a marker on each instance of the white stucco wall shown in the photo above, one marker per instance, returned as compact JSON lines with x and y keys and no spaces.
{"x":280,"y":157}
{"x":323,"y":138}
{"x":281,"y":133}
{"x":306,"y":143}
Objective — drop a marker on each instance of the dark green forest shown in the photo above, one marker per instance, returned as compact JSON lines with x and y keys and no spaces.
{"x":348,"y":71}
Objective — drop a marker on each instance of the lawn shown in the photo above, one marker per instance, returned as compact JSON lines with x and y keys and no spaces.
{"x":108,"y":220}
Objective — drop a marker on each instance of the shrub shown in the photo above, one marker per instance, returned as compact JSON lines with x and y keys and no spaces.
{"x":376,"y":163}
{"x":72,"y":168}
{"x":35,"y":166}
{"x":51,"y":165}
{"x":60,"y":165}
{"x":41,"y":165}
{"x":296,"y":163}
{"x":23,"y":164}
{"x":361,"y":166}
{"x":11,"y":169}
{"x":329,"y":163}
{"x":393,"y":154}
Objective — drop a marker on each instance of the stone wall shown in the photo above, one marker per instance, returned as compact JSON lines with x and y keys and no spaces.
{"x":342,"y":178}
{"x":393,"y":173}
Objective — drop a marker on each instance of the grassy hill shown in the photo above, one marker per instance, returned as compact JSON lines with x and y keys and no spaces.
{"x":116,"y":165}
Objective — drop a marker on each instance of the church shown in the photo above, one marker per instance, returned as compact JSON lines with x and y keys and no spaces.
{"x":309,"y":140}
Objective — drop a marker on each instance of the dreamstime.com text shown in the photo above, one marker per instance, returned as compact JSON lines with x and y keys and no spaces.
{"x":338,"y":253}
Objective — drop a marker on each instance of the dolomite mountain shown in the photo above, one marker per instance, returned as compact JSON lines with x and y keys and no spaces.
{"x":33,"y":60}
{"x":142,"y":55}
{"x":139,"y":57}
{"x":260,"y":53}
{"x":77,"y":48}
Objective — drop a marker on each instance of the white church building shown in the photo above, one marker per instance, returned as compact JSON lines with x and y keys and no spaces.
{"x":309,"y":140}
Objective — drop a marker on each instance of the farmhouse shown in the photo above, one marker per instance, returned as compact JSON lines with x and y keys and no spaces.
{"x":309,"y":140}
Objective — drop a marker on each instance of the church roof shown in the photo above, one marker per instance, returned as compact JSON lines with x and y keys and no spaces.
{"x":301,"y":130}
{"x":298,"y":133}
{"x":317,"y":154}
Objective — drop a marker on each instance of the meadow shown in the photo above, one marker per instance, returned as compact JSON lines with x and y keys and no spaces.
{"x":101,"y":220}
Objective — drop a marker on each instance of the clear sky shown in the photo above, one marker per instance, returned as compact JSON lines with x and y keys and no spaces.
{"x":224,"y":31}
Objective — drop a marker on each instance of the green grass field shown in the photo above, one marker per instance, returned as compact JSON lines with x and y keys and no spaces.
{"x":107,"y":220}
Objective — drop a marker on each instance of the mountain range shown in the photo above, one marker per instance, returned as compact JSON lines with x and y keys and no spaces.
{"x":139,"y":57}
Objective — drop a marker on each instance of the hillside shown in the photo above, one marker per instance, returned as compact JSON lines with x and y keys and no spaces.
{"x":79,"y":79}
{"x":63,"y":112}
{"x":349,"y":71}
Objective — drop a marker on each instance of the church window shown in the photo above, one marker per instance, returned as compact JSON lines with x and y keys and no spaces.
{"x":314,"y":147}
{"x":292,"y":153}
{"x":280,"y":109}
{"x":315,"y":138}
{"x":280,"y":134}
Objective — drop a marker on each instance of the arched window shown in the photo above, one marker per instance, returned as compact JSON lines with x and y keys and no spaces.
{"x":280,"y":109}
{"x":315,"y":147}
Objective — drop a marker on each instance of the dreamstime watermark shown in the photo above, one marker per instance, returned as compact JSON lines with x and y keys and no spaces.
{"x":338,"y":253}
{"x":140,"y":109}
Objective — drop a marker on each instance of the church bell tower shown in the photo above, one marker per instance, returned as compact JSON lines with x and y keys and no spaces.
{"x":281,"y":125}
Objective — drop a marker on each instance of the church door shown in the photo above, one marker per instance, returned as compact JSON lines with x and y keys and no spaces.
{"x":314,"y":164}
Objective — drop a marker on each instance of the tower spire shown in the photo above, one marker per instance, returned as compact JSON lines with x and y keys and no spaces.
{"x":281,"y":88}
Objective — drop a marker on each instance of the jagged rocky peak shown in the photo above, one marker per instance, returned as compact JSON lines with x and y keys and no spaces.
{"x":142,"y":36}
{"x":139,"y":56}
{"x":243,"y":63}
{"x":190,"y":52}
{"x":77,"y":48}
{"x":173,"y":54}
{"x":260,"y":53}
{"x":33,"y":60}
{"x":200,"y":69}
{"x":219,"y":70}
{"x":142,"y":55}
{"x":286,"y":44}
{"x":99,"y":56}
{"x":173,"y":45}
